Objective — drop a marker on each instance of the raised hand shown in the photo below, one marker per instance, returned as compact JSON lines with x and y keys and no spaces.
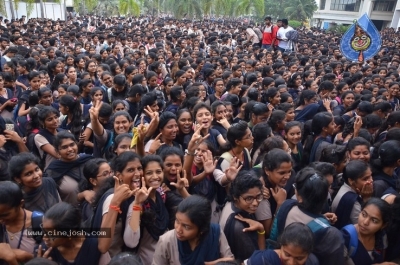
{"x":196,"y":139}
{"x":332,"y":218}
{"x":253,"y":224}
{"x":233,"y":169}
{"x":279,"y":194}
{"x":44,"y":254}
{"x":95,"y":109}
{"x":121,"y":192}
{"x":141,"y":129}
{"x":357,"y":124}
{"x":224,"y":122}
{"x":182,"y":182}
{"x":142,"y":194}
{"x":367,"y":190}
{"x":209,"y":163}
{"x":155,"y":145}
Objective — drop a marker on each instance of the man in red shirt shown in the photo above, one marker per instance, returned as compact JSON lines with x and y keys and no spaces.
{"x":269,"y":34}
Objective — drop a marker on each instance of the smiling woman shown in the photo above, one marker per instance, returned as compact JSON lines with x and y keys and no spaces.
{"x":67,"y":172}
{"x":24,"y":169}
{"x":243,"y":232}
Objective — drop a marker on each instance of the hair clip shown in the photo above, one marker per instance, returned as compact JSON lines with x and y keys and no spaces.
{"x":75,"y":98}
{"x":313,"y":177}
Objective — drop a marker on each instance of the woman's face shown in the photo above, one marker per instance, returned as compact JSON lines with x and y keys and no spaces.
{"x":123,"y":146}
{"x":8,"y":214}
{"x":370,"y":221}
{"x":168,"y":87}
{"x":103,"y":174}
{"x":360,"y":152}
{"x":182,"y":79}
{"x":70,"y":61}
{"x":92,"y":67}
{"x":276,"y":99}
{"x":51,"y":122}
{"x":293,"y":255}
{"x":46,"y":98}
{"x":122,"y":124}
{"x":365,"y":179}
{"x":394,"y":90}
{"x":203,"y":117}
{"x":358,"y":88}
{"x":229,"y":112}
{"x":81,"y":63}
{"x":61,"y":92}
{"x":63,"y":109}
{"x":35,"y":83}
{"x":170,"y":130}
{"x":298,"y":81}
{"x":98,"y":96}
{"x":153,"y":175}
{"x":153,"y":81}
{"x":8,"y":69}
{"x":154,"y":107}
{"x":201,"y":151}
{"x":330,"y":129}
{"x":348,"y":100}
{"x":247,"y":140}
{"x":132,"y":174}
{"x":249,"y":200}
{"x":31,"y":177}
{"x":220,"y":113}
{"x":184,"y":228}
{"x":293,"y":135}
{"x":68,"y":150}
{"x":107,"y":80}
{"x":290,"y":115}
{"x":118,"y":70}
{"x":172,"y":164}
{"x":185,"y":123}
{"x":120,"y":107}
{"x":280,"y":175}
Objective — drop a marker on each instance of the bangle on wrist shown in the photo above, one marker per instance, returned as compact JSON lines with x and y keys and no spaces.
{"x":261,"y":233}
{"x":115,"y":208}
{"x":137,"y":208}
{"x":190,"y":154}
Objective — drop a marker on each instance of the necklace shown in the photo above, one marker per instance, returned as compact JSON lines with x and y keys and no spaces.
{"x":13,"y":235}
{"x":240,"y":158}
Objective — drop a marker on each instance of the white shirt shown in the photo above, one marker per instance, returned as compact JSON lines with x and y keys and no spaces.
{"x":283,"y":42}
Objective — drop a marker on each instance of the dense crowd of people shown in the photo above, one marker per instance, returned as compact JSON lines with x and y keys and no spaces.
{"x":164,"y":141}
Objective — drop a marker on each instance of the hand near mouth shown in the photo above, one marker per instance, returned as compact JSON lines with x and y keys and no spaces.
{"x":143,"y":193}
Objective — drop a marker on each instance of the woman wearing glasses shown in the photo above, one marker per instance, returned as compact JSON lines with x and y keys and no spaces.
{"x":238,"y":221}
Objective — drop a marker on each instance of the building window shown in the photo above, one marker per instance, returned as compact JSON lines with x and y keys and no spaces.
{"x":387,"y":6}
{"x":346,"y":5}
{"x":322,"y":4}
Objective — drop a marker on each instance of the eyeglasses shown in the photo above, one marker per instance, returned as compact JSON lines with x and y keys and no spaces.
{"x":251,"y":199}
{"x":106,"y":174}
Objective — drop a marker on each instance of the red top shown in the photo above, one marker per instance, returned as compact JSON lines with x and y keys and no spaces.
{"x":269,"y":33}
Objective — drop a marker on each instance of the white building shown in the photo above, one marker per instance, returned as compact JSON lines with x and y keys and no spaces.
{"x":384,"y":13}
{"x":51,"y":9}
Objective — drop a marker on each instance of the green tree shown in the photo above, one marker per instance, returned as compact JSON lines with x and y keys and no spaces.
{"x":130,"y":7}
{"x":300,"y":10}
{"x":250,"y":7}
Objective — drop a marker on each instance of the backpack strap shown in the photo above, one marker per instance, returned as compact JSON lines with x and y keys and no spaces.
{"x":36,"y":220}
{"x":109,"y":92}
{"x":353,"y":243}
